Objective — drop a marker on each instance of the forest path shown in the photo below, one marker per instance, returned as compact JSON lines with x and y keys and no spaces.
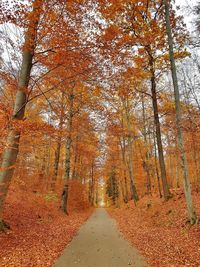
{"x":99,"y":244}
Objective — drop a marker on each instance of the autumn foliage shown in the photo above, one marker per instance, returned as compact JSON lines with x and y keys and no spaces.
{"x":39,"y":231}
{"x":160,"y":230}
{"x":91,"y":114}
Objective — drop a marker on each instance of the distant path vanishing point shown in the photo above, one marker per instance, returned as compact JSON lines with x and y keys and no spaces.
{"x":100,"y":244}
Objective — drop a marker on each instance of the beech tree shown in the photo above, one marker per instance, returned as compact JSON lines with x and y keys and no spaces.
{"x":187,"y":189}
{"x":10,"y":154}
{"x":94,"y":102}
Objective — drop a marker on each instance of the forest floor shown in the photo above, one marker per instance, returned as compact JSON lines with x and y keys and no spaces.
{"x":100,"y":244}
{"x":160,"y":230}
{"x":39,"y":230}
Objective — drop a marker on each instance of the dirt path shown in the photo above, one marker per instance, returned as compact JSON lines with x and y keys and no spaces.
{"x":99,"y":244}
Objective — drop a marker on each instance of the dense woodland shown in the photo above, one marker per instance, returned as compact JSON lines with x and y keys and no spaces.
{"x":99,"y":106}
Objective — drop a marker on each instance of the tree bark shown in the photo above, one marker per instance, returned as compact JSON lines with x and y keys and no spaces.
{"x":130,"y":157}
{"x":57,"y":157}
{"x":58,"y":143}
{"x":92,"y":186}
{"x":12,"y":148}
{"x":187,"y":188}
{"x":68,"y":154}
{"x":166,"y":191}
{"x":147,"y":156}
{"x":125,"y":186}
{"x":156,"y":165}
{"x":170,"y":162}
{"x":74,"y":172}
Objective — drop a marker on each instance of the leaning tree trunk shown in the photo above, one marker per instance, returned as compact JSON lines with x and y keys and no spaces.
{"x":166,"y":191}
{"x":187,"y":188}
{"x":12,"y":147}
{"x":68,"y":155}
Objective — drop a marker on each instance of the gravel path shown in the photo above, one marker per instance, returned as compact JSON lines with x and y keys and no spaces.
{"x":99,"y":244}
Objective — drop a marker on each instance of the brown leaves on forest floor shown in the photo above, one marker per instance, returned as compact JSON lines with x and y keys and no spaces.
{"x":160,"y":230}
{"x":39,"y":231}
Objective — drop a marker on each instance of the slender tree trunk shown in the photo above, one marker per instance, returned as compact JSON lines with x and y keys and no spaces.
{"x":187,"y":188}
{"x":12,"y":145}
{"x":116,"y":193}
{"x":58,"y":143}
{"x":74,"y":172}
{"x":156,"y":165}
{"x":48,"y":158}
{"x":126,"y":187}
{"x":166,"y":191}
{"x":57,"y":158}
{"x":92,"y":185}
{"x":96,"y":195}
{"x":130,"y":158}
{"x":171,"y":176}
{"x":147,"y":156}
{"x":122,"y":146}
{"x":81,"y":173}
{"x":42,"y":171}
{"x":130,"y":153}
{"x":121,"y":179}
{"x":68,"y":155}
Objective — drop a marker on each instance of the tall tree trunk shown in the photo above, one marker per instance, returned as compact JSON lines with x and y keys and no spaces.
{"x":81,"y":171}
{"x":57,"y":159}
{"x":122,"y":179}
{"x":92,"y":186}
{"x":130,"y":156}
{"x":156,"y":165}
{"x":166,"y":191}
{"x":171,"y":176}
{"x":96,"y":196}
{"x":187,"y":188}
{"x":74,"y":172}
{"x":68,"y":154}
{"x":126,"y":187}
{"x":48,"y":159}
{"x":12,"y":147}
{"x":147,"y":156}
{"x":123,"y":152}
{"x":58,"y":143}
